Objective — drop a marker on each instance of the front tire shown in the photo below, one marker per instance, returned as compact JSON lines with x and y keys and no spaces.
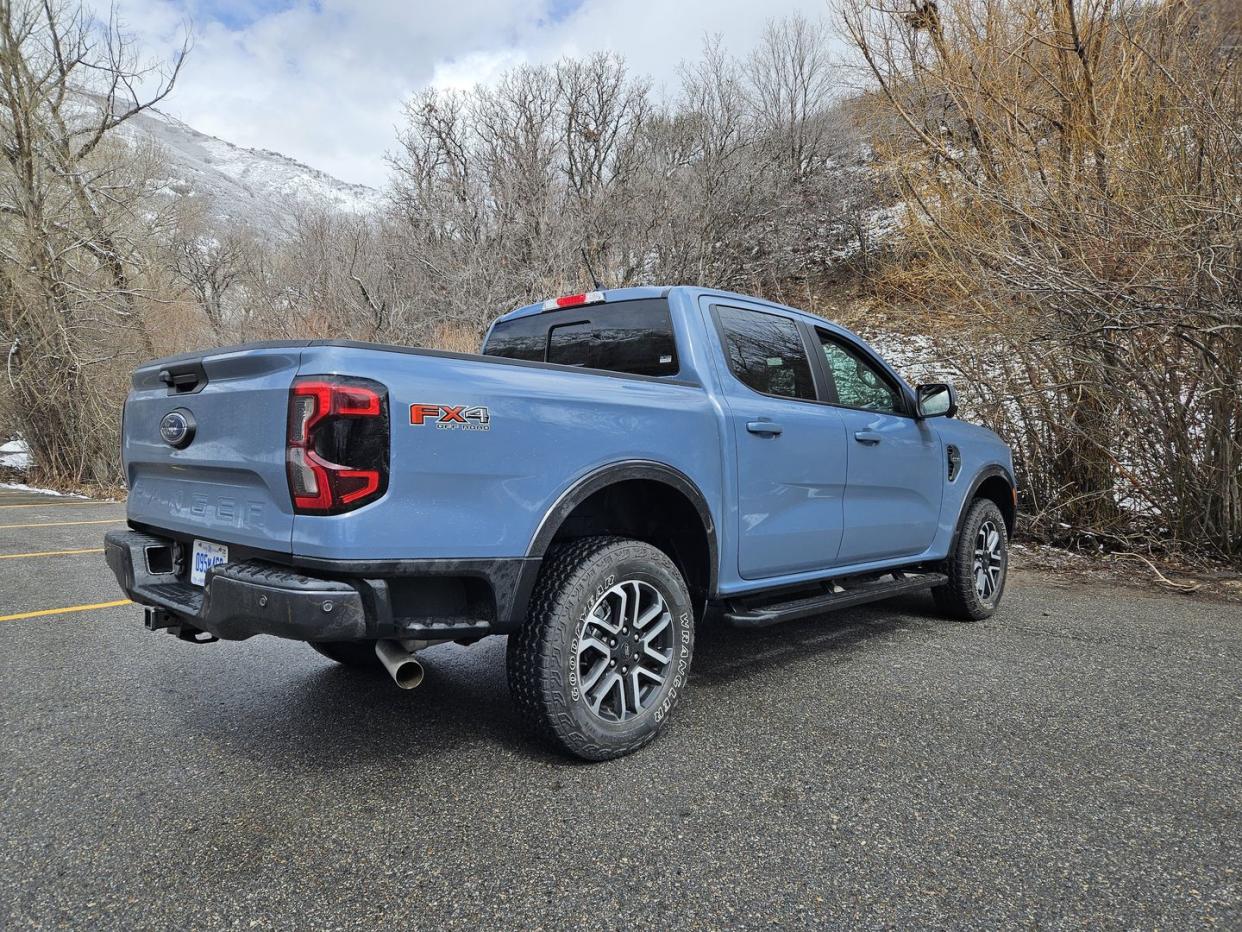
{"x":605,"y":650}
{"x":978,"y":565}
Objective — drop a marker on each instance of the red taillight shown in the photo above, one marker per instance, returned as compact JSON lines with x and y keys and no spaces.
{"x":336,"y":450}
{"x":573,"y":300}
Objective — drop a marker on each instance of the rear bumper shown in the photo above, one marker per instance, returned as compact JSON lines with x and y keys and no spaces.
{"x":255,"y":596}
{"x":242,"y":599}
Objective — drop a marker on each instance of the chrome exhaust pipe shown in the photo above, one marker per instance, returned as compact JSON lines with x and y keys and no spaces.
{"x":400,"y":663}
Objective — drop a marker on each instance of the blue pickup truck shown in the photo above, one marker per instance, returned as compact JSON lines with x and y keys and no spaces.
{"x":613,"y":466}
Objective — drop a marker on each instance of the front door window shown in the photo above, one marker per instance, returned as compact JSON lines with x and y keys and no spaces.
{"x":856,"y":381}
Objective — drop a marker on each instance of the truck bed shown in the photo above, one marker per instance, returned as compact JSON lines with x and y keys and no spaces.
{"x":473,"y":490}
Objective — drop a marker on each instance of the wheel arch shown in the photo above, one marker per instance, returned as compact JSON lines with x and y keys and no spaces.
{"x":994,"y":483}
{"x":648,"y":501}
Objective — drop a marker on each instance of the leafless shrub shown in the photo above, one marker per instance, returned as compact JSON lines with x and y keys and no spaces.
{"x":1071,"y":170}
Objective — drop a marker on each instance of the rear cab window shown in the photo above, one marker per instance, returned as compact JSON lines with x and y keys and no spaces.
{"x":633,"y":337}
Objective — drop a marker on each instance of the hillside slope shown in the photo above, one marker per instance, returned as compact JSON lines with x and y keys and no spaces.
{"x":253,"y":186}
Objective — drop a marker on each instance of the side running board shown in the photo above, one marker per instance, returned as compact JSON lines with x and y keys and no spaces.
{"x":842,"y":594}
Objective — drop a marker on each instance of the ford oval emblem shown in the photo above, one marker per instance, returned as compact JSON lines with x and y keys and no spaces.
{"x":177,"y":428}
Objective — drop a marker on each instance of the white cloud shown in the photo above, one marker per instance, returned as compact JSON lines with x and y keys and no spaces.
{"x":324,"y":81}
{"x":463,"y":73}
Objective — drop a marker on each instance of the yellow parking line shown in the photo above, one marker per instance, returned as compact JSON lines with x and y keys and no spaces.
{"x":48,"y":553}
{"x":81,"y":503}
{"x":4,"y":527}
{"x":61,"y":611}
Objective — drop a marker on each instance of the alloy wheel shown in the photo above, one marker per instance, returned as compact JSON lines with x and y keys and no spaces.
{"x":624,"y":650}
{"x":989,"y":560}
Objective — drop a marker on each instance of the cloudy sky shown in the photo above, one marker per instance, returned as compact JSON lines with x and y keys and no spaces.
{"x":323,"y":80}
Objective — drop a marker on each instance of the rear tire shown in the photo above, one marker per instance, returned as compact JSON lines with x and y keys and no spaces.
{"x":357,"y":654}
{"x":605,"y":650}
{"x":978,"y":565}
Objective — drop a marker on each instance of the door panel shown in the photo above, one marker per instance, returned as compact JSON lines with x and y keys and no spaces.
{"x":790,"y":487}
{"x":895,"y":473}
{"x":895,"y":478}
{"x":791,"y":450}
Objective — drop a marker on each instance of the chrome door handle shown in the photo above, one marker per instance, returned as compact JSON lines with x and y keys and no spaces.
{"x":766,"y":428}
{"x":869,"y":437}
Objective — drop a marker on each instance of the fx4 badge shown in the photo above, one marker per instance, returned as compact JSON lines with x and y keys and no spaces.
{"x":450,"y":417}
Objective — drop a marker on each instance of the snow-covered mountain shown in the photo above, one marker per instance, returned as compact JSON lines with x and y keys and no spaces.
{"x":254,"y":186}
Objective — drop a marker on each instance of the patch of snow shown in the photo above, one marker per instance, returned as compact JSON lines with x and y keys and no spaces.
{"x":914,"y":355}
{"x":22,"y":487}
{"x":879,"y":224}
{"x":15,"y":455}
{"x":884,"y":221}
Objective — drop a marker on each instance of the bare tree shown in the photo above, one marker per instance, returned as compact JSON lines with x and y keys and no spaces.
{"x":790,"y":86}
{"x":719,"y":181}
{"x":210,"y":260}
{"x":70,"y":232}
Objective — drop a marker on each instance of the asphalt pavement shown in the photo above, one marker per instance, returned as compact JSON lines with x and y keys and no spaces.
{"x":1074,"y":762}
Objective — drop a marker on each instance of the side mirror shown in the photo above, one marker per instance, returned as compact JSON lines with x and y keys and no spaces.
{"x":936,"y":399}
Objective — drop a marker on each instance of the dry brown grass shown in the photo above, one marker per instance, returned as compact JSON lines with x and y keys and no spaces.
{"x":456,"y":338}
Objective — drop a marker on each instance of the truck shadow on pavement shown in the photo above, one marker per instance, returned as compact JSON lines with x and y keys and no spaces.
{"x":723,"y":653}
{"x":335,"y":717}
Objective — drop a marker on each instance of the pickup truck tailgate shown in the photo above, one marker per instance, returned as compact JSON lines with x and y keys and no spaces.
{"x":228,"y":483}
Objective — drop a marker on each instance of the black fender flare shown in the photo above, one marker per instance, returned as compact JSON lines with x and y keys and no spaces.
{"x":982,"y":476}
{"x":625,"y":471}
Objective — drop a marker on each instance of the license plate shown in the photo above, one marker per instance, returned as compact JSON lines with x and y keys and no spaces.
{"x":204,"y":556}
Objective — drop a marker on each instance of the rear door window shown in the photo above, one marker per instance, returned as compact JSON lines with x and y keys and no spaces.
{"x":766,"y":352}
{"x":635,"y":337}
